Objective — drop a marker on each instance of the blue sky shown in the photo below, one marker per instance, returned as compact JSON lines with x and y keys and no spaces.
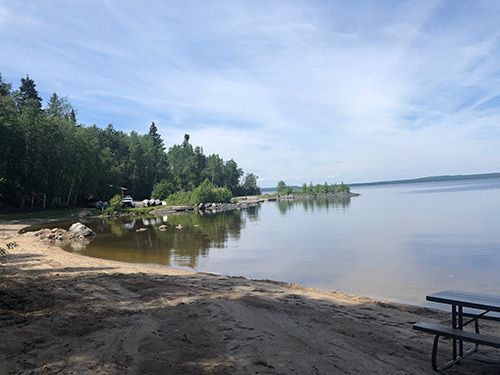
{"x":292,"y":90}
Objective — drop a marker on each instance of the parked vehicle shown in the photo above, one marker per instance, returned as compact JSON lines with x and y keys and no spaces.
{"x":145,"y":202}
{"x":128,"y":201}
{"x":100,"y":205}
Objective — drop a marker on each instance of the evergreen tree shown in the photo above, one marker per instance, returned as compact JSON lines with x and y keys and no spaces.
{"x":28,"y":93}
{"x":72,"y":116}
{"x":5,"y":88}
{"x":155,"y":136}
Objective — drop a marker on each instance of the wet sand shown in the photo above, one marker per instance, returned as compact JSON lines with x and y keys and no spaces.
{"x":65,"y":313}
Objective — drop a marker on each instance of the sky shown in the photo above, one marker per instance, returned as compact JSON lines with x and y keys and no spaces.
{"x":298,"y":91}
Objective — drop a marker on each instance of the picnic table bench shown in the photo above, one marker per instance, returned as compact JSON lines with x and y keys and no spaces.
{"x":472,"y":306}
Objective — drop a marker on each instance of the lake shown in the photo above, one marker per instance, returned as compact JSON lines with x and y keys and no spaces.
{"x":395,"y":242}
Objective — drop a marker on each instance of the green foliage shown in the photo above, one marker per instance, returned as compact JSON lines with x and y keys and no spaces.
{"x":28,"y":94}
{"x":181,"y":198}
{"x":115,"y":204}
{"x":48,"y":160}
{"x":162,"y":189}
{"x":205,"y":193}
{"x":249,"y":185}
{"x":283,"y":189}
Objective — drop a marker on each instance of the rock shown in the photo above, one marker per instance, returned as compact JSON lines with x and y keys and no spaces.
{"x":141,"y":229}
{"x":201,"y":206}
{"x":179,"y":227}
{"x":214,"y":206}
{"x":78,"y":229}
{"x":60,"y":238}
{"x":163,"y":227}
{"x":53,"y":230}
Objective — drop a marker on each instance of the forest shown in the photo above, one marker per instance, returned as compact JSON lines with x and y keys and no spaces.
{"x":49,"y":159}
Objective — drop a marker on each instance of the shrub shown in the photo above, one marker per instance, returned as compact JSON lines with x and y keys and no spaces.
{"x":205,"y":193}
{"x":115,"y":204}
{"x":162,"y":190}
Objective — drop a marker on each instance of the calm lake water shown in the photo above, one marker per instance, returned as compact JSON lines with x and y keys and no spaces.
{"x":396,"y":242}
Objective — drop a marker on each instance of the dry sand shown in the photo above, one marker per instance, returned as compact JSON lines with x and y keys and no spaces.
{"x":65,"y":313}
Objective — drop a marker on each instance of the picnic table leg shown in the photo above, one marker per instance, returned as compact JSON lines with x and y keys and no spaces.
{"x":454,"y":326}
{"x":460,"y":326}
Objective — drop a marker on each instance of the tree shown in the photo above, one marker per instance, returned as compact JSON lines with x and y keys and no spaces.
{"x":28,"y":93}
{"x":214,"y":170}
{"x":72,"y":116}
{"x":155,"y":136}
{"x":281,"y":188}
{"x":59,"y":107}
{"x":232,"y":175}
{"x":5,"y":88}
{"x":249,"y":185}
{"x":46,"y":160}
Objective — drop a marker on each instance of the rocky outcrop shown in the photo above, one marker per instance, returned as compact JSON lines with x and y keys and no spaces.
{"x":210,"y":208}
{"x":79,"y":229}
{"x":60,"y":235}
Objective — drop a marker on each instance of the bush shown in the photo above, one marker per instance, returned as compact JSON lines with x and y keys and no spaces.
{"x":162,"y":190}
{"x":181,"y":197}
{"x":205,"y":193}
{"x":115,"y":204}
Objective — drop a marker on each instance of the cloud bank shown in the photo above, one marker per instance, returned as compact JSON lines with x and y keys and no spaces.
{"x":299,"y":91}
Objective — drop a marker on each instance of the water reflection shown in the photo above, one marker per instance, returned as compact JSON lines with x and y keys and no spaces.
{"x":322,"y":203}
{"x":180,"y":241}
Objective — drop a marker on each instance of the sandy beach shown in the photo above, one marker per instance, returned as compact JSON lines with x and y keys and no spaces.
{"x":64,"y":313}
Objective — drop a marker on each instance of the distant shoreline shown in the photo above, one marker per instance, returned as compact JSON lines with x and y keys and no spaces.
{"x":458,"y":177}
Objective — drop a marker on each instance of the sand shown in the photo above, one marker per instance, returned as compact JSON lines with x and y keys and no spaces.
{"x":65,"y":313}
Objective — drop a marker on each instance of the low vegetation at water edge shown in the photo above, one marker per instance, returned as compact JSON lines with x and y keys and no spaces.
{"x":205,"y":193}
{"x":283,"y":189}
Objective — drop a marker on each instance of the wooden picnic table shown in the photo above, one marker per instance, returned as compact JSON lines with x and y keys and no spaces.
{"x":468,"y":305}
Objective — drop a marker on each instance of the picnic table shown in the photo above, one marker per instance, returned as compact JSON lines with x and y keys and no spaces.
{"x":464,"y":305}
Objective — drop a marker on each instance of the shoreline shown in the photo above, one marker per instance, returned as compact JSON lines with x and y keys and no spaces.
{"x":66,"y":312}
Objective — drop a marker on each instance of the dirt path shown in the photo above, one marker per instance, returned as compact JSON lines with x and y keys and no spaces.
{"x":65,"y":313}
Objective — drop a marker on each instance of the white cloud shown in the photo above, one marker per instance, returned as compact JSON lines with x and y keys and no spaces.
{"x":286,"y":89}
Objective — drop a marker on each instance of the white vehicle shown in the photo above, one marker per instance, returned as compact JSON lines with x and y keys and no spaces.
{"x":128,"y":201}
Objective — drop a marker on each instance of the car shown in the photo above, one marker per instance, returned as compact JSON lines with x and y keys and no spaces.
{"x":128,"y":201}
{"x":99,"y":205}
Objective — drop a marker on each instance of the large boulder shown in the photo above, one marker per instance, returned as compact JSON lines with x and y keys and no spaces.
{"x":79,"y":229}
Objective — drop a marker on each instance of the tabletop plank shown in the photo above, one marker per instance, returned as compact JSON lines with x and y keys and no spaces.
{"x":467,"y":299}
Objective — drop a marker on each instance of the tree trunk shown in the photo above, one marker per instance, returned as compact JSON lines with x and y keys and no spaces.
{"x":69,"y":194}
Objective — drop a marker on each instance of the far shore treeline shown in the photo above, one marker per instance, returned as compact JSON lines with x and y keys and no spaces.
{"x":283,"y":189}
{"x":48,"y":159}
